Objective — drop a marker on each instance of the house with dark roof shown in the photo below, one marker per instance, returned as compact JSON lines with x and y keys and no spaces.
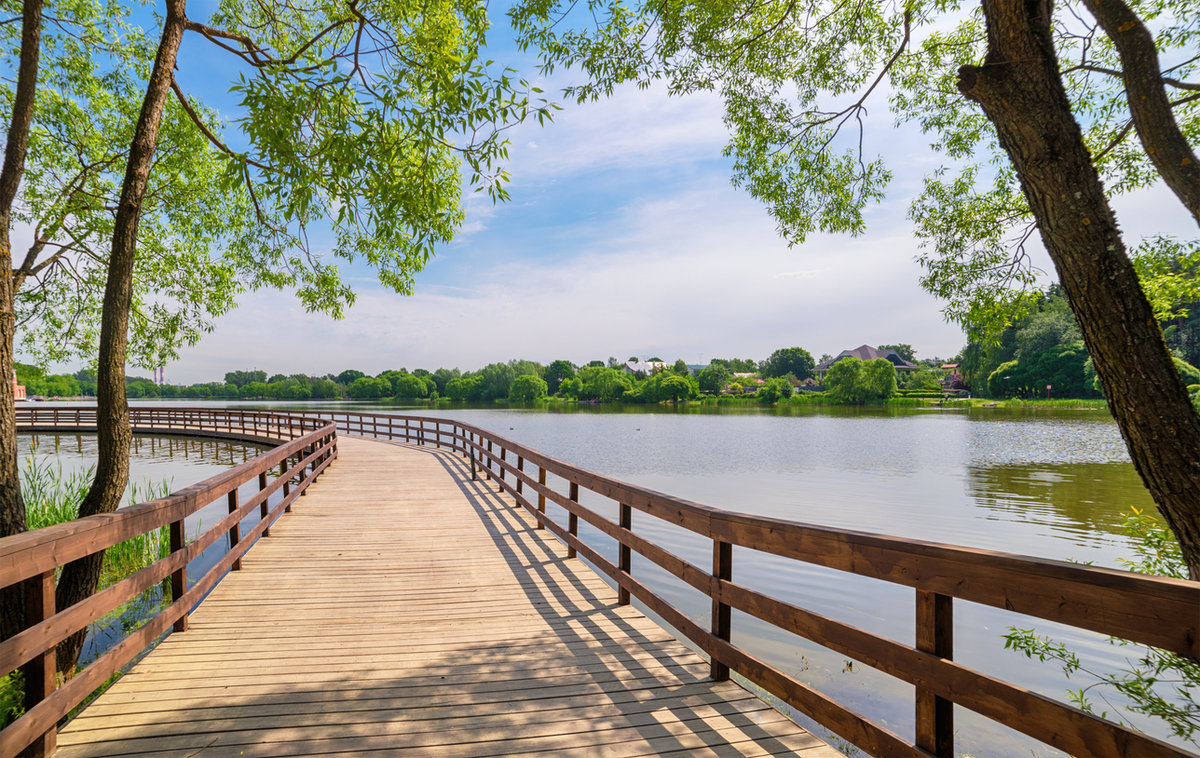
{"x":866,"y":353}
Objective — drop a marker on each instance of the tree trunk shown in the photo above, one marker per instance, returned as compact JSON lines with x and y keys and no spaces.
{"x":12,"y":508}
{"x":80,"y":578}
{"x":1020,"y":90}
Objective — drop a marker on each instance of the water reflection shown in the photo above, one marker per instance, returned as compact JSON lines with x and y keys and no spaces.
{"x":1087,"y":499}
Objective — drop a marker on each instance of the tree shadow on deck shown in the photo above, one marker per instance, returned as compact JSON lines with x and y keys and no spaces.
{"x":566,"y":672}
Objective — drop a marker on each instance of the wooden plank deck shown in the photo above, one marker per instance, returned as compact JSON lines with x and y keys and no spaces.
{"x":402,"y":607}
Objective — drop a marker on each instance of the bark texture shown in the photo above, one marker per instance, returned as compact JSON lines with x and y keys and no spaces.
{"x":1149,"y":106}
{"x":12,"y":507}
{"x":1021,"y":91}
{"x":80,"y":578}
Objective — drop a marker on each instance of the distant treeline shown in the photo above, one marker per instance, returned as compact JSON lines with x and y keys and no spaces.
{"x":1041,"y":348}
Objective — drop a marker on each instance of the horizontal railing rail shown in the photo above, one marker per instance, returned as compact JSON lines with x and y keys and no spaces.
{"x":303,"y":449}
{"x":1156,"y":611}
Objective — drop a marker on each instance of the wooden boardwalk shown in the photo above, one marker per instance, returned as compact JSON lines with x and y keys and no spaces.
{"x":402,"y":607}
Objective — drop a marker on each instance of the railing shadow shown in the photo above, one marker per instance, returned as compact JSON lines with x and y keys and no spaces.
{"x":572,"y":607}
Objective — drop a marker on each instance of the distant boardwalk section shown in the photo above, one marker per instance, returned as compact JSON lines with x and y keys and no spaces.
{"x":402,"y":606}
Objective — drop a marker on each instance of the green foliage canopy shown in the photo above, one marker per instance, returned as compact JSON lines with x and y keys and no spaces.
{"x":853,"y":381}
{"x":527,"y":388}
{"x":797,"y":80}
{"x":789,"y":360}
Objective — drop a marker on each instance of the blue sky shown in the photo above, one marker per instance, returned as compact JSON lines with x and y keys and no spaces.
{"x":623,"y":237}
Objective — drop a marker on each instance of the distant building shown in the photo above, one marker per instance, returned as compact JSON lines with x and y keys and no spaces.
{"x":18,"y":389}
{"x":645,"y":368}
{"x":953,"y":380}
{"x":867,"y":353}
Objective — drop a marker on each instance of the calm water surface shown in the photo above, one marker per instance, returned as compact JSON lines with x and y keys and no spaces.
{"x":1050,"y":483}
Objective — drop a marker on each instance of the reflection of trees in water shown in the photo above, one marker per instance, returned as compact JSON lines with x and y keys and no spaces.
{"x":1091,"y":496}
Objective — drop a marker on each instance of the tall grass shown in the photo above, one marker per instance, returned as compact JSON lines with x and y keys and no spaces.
{"x":52,"y":496}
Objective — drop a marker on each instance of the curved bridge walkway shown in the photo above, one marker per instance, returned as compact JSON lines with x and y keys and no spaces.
{"x":402,"y":607}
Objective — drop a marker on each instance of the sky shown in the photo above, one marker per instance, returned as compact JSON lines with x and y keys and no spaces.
{"x":624,"y":237}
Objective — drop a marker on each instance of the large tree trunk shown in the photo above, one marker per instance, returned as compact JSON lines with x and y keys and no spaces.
{"x":1021,"y":91}
{"x":80,"y":578}
{"x":12,"y":508}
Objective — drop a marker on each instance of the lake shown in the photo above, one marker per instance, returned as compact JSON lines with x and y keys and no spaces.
{"x":1052,"y":483}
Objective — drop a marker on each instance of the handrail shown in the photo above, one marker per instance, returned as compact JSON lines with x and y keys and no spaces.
{"x":1157,"y":611}
{"x":303,"y":449}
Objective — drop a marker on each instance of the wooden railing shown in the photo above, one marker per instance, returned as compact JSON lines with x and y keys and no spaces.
{"x":1156,"y":611}
{"x":303,"y":449}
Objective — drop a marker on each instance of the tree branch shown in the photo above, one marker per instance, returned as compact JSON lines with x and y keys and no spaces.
{"x":1149,"y":107}
{"x":208,"y":134}
{"x":1178,"y":84}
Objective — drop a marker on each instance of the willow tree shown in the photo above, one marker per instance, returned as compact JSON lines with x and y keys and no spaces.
{"x":358,"y":119}
{"x":1043,"y":112}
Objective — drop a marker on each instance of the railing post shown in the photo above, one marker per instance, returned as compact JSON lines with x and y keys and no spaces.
{"x":521,"y":469}
{"x":500,"y":484}
{"x":572,"y":519}
{"x":721,"y":613}
{"x":179,"y":575}
{"x":284,"y":465}
{"x":624,"y":554}
{"x":40,"y":673}
{"x":263,"y":509}
{"x":488,"y":464}
{"x":541,"y":497}
{"x":235,"y":531}
{"x":471,"y":455}
{"x":935,"y":634}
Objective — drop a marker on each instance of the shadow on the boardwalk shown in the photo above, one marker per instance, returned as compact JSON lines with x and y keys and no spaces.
{"x":591,"y":679}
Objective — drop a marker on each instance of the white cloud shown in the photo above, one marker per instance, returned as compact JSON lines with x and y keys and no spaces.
{"x":634,"y":128}
{"x":696,"y":276}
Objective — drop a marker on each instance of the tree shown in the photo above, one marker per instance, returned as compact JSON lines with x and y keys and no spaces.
{"x":442,"y":377}
{"x":557,"y":372}
{"x":533,"y":368}
{"x":349,"y":376}
{"x":571,"y":388}
{"x":338,"y":133}
{"x":681,"y":368}
{"x":242,"y":378}
{"x":922,"y":379}
{"x":774,"y":390}
{"x":905,"y":351}
{"x":527,"y":388}
{"x":714,"y":377}
{"x":987,"y":86}
{"x":368,"y":388}
{"x":854,"y":382}
{"x":495,"y":381}
{"x":789,"y":360}
{"x":409,"y":386}
{"x":604,"y":384}
{"x":675,"y":387}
